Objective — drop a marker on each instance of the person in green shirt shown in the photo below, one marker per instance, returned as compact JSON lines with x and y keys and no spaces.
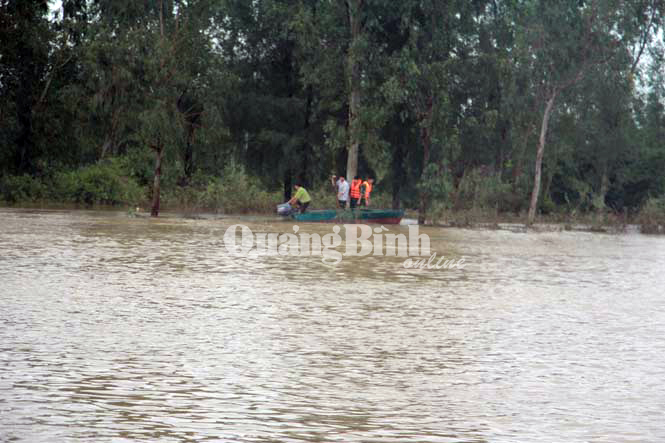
{"x":301,"y":198}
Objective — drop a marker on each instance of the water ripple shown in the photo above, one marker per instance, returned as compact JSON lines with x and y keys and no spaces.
{"x":118,"y":329}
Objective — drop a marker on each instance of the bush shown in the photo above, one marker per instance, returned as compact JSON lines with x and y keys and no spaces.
{"x":238,"y":192}
{"x":381,"y":199}
{"x":21,"y":188}
{"x":483,"y":190}
{"x":323,"y":197}
{"x":234,"y":192}
{"x":651,"y":217}
{"x":101,"y":183}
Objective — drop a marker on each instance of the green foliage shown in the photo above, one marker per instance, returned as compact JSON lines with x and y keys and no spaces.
{"x":482,"y":189}
{"x":234,"y":192}
{"x":106,"y":183}
{"x":21,"y":188}
{"x":651,"y":217}
{"x":323,"y":197}
{"x":435,"y":183}
{"x":242,"y":98}
{"x":103,"y":183}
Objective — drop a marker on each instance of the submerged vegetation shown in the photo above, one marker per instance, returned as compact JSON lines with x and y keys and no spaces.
{"x":462,"y":111}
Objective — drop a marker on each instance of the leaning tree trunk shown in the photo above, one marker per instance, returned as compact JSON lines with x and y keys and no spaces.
{"x":354,"y":87}
{"x":539,"y":158}
{"x":159,"y":150}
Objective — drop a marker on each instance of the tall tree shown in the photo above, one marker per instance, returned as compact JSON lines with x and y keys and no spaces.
{"x":560,"y":42}
{"x":424,"y":71}
{"x":355,"y":12}
{"x":25,"y":36}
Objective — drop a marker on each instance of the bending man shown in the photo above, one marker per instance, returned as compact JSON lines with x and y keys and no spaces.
{"x":301,"y":198}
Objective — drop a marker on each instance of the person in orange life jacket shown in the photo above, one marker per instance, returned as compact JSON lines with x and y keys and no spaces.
{"x":366,"y":190}
{"x":354,"y":193}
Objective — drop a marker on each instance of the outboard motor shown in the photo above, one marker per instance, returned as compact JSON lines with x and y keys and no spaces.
{"x":284,"y":209}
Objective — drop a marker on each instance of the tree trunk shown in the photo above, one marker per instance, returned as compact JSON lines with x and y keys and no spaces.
{"x":396,"y":191}
{"x":108,"y":143}
{"x":458,"y":191}
{"x":604,"y":186}
{"x":24,"y":141}
{"x":24,"y":144}
{"x":188,"y":160}
{"x":287,"y":185}
{"x":306,"y":156}
{"x":539,"y":158}
{"x":161,"y":18}
{"x":397,"y":175}
{"x":501,"y":161}
{"x":112,"y":136}
{"x":354,"y":7}
{"x":159,"y":149}
{"x":426,"y":140}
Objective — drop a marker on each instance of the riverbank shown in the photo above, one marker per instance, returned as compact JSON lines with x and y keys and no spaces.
{"x":452,"y":220}
{"x":108,"y":185}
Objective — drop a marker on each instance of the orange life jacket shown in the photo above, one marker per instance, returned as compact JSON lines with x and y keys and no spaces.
{"x":368,"y":188}
{"x":355,"y":189}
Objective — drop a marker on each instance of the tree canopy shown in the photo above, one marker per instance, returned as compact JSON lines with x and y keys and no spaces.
{"x":519,"y":106}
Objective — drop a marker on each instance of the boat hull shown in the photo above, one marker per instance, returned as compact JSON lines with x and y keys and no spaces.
{"x":361,"y":216}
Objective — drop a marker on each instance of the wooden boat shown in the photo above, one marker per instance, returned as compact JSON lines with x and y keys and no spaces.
{"x":379,"y":216}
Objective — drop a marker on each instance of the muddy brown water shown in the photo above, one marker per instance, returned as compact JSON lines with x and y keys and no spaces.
{"x":119,"y":329}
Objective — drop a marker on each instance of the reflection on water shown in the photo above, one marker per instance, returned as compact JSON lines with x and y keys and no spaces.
{"x":119,"y":329}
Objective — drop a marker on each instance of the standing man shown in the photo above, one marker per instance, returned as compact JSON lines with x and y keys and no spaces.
{"x":342,"y":187}
{"x":301,"y":198}
{"x":366,"y":190}
{"x":354,"y":192}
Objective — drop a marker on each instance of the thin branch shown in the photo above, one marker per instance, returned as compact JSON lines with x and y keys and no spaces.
{"x":644,"y":38}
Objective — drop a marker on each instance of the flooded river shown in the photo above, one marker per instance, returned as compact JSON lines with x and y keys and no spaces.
{"x":119,"y":329}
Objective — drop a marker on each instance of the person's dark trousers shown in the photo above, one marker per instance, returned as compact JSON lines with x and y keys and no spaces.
{"x":303,"y":207}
